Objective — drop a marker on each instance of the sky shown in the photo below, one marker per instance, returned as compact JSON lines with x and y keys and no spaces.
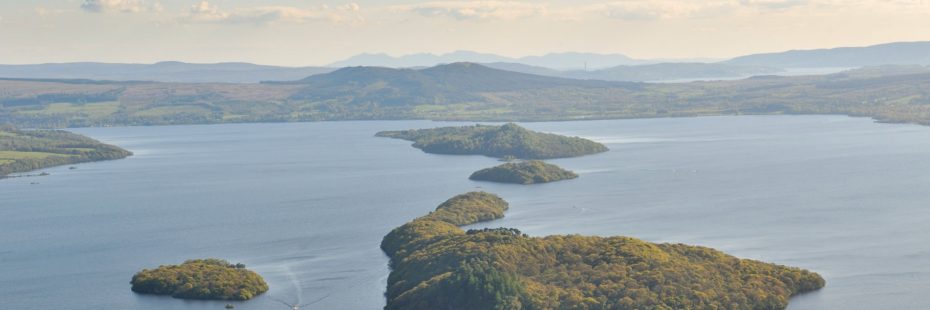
{"x":319,"y":32}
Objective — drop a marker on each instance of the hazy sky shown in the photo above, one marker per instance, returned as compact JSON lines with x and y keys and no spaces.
{"x":312,"y":32}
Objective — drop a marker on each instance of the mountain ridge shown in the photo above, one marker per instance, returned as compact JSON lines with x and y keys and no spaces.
{"x":558,"y":61}
{"x":894,"y":53}
{"x":573,"y":65}
{"x":665,"y":71}
{"x":163,"y":71}
{"x":457,"y":82}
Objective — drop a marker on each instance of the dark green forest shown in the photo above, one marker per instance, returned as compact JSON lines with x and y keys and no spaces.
{"x":524,"y":172}
{"x":508,"y":140}
{"x":200,"y":279}
{"x":26,"y":150}
{"x":436,"y":265}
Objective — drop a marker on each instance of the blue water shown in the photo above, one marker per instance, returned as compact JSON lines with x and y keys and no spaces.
{"x":306,"y":205}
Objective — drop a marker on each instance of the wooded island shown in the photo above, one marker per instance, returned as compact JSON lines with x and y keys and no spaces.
{"x":437,"y":265}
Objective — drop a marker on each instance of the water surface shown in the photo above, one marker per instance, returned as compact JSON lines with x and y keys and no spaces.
{"x":306,"y":205}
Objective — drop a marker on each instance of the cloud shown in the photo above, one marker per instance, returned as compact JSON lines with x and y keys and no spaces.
{"x":640,"y":10}
{"x":774,"y":4}
{"x":873,"y":6}
{"x":123,"y":6}
{"x":630,"y":10}
{"x":477,"y":10}
{"x":41,"y":11}
{"x":204,"y":12}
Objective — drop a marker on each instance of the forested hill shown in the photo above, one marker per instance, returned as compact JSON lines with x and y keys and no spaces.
{"x":166,"y":71}
{"x":443,"y":84}
{"x":898,"y":53}
{"x":26,"y":150}
{"x":436,"y":265}
{"x":508,"y":140}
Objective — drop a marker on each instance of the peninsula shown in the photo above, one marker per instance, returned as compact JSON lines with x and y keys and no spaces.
{"x":437,"y":265}
{"x":27,"y":150}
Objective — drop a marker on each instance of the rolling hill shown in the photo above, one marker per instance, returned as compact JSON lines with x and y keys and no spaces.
{"x":557,"y":61}
{"x":443,"y":84}
{"x":168,"y":71}
{"x":898,"y":53}
{"x":672,"y":71}
{"x":462,"y":91}
{"x":667,"y":71}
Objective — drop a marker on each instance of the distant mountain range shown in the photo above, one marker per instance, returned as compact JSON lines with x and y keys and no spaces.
{"x":179,"y":72}
{"x":899,"y":53}
{"x":169,"y":71}
{"x":557,"y":61}
{"x":585,"y":66}
{"x":648,"y":73}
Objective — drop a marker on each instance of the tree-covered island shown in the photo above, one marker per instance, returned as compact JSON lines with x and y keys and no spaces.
{"x":437,"y":265}
{"x":26,"y":150}
{"x":496,"y":141}
{"x":524,"y":172}
{"x":200,"y":279}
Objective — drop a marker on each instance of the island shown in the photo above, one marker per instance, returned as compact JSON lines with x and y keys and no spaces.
{"x":437,"y":265}
{"x":508,"y":140}
{"x":524,"y":172}
{"x":27,"y":150}
{"x":209,"y":278}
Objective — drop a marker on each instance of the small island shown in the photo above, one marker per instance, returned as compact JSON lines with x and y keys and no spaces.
{"x":436,"y":265}
{"x":508,"y":140}
{"x":526,"y":172}
{"x":210,"y":278}
{"x":27,"y":150}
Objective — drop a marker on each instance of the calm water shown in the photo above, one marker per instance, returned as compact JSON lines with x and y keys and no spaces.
{"x":306,"y":205}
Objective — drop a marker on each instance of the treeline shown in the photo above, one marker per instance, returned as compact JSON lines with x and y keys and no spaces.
{"x":435,"y":265}
{"x":200,"y":279}
{"x":508,"y":140}
{"x":26,"y":150}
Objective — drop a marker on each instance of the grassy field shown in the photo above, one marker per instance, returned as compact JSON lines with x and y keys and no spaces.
{"x":94,"y":110}
{"x":172,"y":110}
{"x":16,"y":155}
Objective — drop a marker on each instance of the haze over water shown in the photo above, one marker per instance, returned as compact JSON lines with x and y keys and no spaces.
{"x":306,"y":205}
